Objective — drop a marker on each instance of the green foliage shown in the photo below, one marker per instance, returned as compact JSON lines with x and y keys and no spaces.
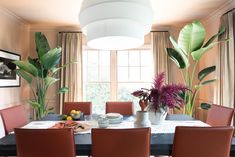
{"x":40,"y":73}
{"x":203,"y":73}
{"x":190,"y":46}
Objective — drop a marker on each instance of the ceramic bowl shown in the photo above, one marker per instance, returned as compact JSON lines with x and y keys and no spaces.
{"x":76,"y":116}
{"x":103,"y":122}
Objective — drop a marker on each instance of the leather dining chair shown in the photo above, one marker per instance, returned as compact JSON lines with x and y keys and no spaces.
{"x":85,"y":107}
{"x":202,"y":141}
{"x":45,"y":142}
{"x":125,"y":108}
{"x":14,"y":117}
{"x":121,"y":142}
{"x":2,"y":129}
{"x":219,"y":115}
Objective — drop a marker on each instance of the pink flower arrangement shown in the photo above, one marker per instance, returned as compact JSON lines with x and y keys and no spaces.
{"x":161,"y":95}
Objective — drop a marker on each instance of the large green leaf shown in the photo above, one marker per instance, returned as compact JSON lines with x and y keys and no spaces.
{"x":54,"y":70}
{"x":24,"y":75}
{"x":208,"y":81}
{"x":204,"y":83}
{"x":51,"y":59}
{"x":198,"y":53}
{"x":221,"y":31}
{"x":42,"y":46}
{"x":175,"y":57}
{"x":35,"y":62}
{"x":42,"y":73}
{"x":34,"y":103}
{"x":203,"y":73}
{"x":180,"y":52}
{"x":27,"y":67}
{"x":191,"y":37}
{"x":50,"y":81}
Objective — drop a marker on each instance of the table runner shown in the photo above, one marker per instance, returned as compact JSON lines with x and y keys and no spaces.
{"x":168,"y":126}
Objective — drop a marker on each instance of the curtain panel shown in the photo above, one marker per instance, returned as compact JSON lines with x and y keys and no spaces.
{"x":226,"y":69}
{"x":162,"y":63}
{"x":71,"y":76}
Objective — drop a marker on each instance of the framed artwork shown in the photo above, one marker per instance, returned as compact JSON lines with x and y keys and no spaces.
{"x":8,"y":76}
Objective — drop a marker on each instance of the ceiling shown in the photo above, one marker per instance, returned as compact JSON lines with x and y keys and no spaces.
{"x":65,"y":12}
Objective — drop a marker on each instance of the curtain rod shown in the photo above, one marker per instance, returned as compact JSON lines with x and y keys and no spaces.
{"x":159,"y":31}
{"x":229,"y":11}
{"x":70,"y":32}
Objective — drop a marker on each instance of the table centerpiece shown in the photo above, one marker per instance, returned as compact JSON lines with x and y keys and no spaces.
{"x":159,"y":98}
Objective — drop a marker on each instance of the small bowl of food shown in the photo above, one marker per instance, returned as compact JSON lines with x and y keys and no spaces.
{"x":75,"y":114}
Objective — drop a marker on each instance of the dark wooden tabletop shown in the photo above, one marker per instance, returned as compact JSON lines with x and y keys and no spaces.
{"x":161,"y":144}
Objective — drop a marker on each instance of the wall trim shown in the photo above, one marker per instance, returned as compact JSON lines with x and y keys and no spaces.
{"x":13,"y":15}
{"x":219,"y":12}
{"x":36,"y":27}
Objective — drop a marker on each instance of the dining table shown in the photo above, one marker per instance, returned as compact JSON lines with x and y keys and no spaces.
{"x":161,"y":135}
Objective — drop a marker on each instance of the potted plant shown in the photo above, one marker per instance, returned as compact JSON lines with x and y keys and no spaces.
{"x":160,"y":97}
{"x":40,"y":73}
{"x":187,"y":52}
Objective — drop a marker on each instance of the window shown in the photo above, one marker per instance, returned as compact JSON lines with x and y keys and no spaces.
{"x":113,"y":75}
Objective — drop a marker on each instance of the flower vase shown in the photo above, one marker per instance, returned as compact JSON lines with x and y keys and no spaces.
{"x":142,"y":119}
{"x":157,"y":117}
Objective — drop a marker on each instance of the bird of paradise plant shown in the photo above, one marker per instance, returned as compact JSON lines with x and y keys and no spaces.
{"x":40,"y":73}
{"x":190,"y":46}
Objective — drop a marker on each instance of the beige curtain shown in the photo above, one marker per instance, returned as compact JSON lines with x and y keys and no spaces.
{"x":71,"y":76}
{"x":225,"y":72}
{"x":160,"y":41}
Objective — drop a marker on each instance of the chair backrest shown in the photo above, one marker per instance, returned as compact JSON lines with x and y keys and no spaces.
{"x":45,"y":142}
{"x":121,"y":142}
{"x":124,"y":108}
{"x":219,"y":116}
{"x":85,"y":107}
{"x":14,"y":117}
{"x":202,"y":141}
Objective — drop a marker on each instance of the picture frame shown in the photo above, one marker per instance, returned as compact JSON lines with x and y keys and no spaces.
{"x":8,"y":76}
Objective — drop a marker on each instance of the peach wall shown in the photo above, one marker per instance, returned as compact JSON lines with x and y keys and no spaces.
{"x":14,"y":38}
{"x":212,"y":24}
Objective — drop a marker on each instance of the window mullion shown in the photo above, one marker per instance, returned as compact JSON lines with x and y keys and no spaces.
{"x":113,"y":75}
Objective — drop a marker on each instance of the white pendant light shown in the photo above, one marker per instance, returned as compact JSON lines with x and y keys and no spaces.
{"x":115,"y":24}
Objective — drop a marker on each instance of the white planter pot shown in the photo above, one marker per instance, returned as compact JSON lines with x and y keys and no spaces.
{"x":142,"y":119}
{"x":157,"y":118}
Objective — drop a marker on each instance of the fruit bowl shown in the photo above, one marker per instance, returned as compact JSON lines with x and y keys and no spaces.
{"x":76,"y":114}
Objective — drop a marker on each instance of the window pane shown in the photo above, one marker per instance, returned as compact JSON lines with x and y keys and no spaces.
{"x":134,"y":58}
{"x":104,"y":58}
{"x":92,"y":74}
{"x":104,"y":74}
{"x":98,"y":93}
{"x":122,"y":73}
{"x":122,"y":58}
{"x":92,"y":58}
{"x":84,"y":66}
{"x":146,"y":74}
{"x":132,"y":68}
{"x":125,"y":90}
{"x":146,"y":58}
{"x":134,"y":73}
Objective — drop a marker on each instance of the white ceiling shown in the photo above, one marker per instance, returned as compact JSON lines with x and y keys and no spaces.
{"x":65,"y":12}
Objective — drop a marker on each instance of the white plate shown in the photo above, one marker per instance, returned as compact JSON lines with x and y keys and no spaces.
{"x":116,"y":120}
{"x":113,"y":115}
